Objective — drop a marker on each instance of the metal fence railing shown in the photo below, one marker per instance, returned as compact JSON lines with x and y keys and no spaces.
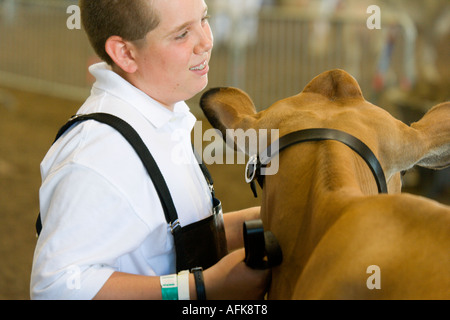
{"x":39,"y":53}
{"x":290,"y":51}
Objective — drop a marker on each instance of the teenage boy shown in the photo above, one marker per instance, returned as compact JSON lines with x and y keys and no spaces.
{"x":105,"y":235}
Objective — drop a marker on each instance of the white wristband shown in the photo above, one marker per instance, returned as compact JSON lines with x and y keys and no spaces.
{"x":183,"y":285}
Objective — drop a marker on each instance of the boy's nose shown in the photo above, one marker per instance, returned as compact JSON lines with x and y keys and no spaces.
{"x":205,"y":43}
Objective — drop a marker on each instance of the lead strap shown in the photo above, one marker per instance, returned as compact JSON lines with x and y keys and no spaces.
{"x":199,"y":283}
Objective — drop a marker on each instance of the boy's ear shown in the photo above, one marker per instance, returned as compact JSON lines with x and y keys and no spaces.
{"x":121,"y":52}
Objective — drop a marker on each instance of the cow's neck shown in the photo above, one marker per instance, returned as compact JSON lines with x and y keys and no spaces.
{"x":315,"y":182}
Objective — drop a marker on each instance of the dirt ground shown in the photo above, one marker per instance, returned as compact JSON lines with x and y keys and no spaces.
{"x":28,"y":124}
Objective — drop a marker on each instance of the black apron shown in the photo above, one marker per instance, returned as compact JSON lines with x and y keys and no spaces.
{"x":201,"y":244}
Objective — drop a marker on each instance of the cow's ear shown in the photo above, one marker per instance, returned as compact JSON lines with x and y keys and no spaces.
{"x":334,"y":85}
{"x":433,"y":138}
{"x":228,"y":108}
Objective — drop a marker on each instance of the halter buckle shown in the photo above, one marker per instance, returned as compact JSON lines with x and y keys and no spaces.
{"x":251,"y":168}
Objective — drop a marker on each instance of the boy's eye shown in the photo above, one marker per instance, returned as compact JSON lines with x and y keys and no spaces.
{"x":206,"y":18}
{"x":185,"y":33}
{"x":182,"y":36}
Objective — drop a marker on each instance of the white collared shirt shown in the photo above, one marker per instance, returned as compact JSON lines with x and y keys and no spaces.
{"x":99,"y":208}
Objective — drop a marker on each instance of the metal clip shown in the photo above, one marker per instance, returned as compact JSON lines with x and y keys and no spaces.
{"x":251,"y":168}
{"x":75,"y":117}
{"x":174,"y":225}
{"x":211,"y":188}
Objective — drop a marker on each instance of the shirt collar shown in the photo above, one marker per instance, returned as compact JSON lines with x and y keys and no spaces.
{"x":112,"y":83}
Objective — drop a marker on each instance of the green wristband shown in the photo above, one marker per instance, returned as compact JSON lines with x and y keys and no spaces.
{"x":169,"y":287}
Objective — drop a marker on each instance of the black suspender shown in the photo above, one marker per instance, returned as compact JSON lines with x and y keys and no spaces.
{"x":144,"y":154}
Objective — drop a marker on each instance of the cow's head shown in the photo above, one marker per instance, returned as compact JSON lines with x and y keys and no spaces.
{"x":334,"y":100}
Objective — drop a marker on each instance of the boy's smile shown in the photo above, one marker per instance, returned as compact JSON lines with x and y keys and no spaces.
{"x":202,"y":69}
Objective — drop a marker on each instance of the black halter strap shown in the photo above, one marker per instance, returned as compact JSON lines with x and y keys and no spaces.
{"x":253,"y":170}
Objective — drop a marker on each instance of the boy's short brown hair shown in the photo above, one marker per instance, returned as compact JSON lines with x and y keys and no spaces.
{"x":128,"y":19}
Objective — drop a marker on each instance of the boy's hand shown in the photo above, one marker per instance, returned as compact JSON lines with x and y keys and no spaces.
{"x":231,"y":279}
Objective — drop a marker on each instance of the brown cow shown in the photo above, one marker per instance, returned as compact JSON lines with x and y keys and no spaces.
{"x":323,"y":204}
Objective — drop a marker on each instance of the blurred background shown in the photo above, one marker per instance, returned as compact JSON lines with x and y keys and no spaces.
{"x":271,"y":49}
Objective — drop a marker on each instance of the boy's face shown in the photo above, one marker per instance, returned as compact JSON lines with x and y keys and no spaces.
{"x":173,"y":63}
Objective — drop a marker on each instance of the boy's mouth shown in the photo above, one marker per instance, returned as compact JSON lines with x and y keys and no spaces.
{"x":200,"y":67}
